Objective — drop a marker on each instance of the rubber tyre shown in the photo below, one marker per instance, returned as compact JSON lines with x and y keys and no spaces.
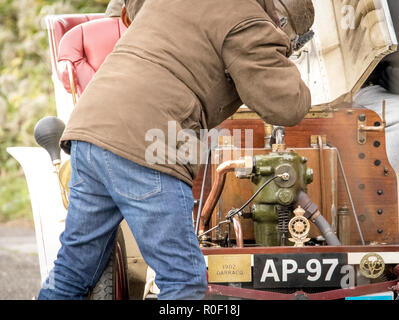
{"x":113,"y":283}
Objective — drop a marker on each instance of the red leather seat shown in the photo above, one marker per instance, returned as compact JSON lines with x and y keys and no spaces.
{"x":85,"y":47}
{"x":58,"y":25}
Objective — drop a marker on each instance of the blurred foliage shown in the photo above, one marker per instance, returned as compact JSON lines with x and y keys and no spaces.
{"x":26,"y":90}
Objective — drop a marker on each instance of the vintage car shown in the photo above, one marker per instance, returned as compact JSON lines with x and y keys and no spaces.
{"x":303,"y":212}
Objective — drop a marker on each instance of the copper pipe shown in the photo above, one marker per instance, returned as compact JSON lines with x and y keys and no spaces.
{"x":217,"y":187}
{"x":238,"y":231}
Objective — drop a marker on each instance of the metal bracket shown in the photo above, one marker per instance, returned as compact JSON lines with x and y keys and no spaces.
{"x":319,"y":113}
{"x":362,"y":128}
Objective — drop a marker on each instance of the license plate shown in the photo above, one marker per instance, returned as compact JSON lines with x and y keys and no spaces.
{"x":299,"y":270}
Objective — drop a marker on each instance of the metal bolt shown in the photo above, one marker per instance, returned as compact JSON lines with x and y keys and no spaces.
{"x":377,"y":162}
{"x":362,"y":117}
{"x":285,"y":196}
{"x":376,"y":143}
{"x":362,"y":155}
{"x":379,"y":211}
{"x":379,"y":230}
{"x":285,"y":176}
{"x":380,"y":192}
{"x":361,"y":140}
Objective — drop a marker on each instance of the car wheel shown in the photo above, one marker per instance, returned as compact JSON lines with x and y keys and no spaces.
{"x":113,"y":283}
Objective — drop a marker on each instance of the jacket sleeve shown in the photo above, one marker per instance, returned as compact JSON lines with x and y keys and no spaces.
{"x":255,"y":54}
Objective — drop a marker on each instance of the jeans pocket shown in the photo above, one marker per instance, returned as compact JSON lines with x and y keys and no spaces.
{"x":132,"y":180}
{"x":75,"y":179}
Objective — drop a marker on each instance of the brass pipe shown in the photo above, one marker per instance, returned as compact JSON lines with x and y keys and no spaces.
{"x":238,"y":231}
{"x":344,"y":234}
{"x":72,"y":83}
{"x":217,"y":187}
{"x":363,"y":127}
{"x":64,"y":197}
{"x":322,"y":175}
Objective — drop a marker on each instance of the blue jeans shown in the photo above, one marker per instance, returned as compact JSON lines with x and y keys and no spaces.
{"x":104,"y":189}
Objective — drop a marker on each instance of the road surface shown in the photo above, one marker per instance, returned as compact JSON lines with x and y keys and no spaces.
{"x":19,"y":263}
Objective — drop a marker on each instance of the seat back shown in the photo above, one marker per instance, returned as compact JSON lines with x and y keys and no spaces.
{"x":85,"y":48}
{"x":70,"y":75}
{"x":58,"y":25}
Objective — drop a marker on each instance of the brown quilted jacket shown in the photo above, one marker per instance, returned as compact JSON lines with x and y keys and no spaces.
{"x":170,"y":67}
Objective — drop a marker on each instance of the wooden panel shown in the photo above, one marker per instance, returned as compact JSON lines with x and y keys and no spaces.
{"x":240,"y":125}
{"x":365,"y":177}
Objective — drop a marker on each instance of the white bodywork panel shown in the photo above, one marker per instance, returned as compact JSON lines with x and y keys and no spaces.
{"x":351,"y":37}
{"x":48,"y":211}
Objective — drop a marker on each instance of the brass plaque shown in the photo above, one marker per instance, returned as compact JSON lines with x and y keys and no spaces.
{"x":229,"y":268}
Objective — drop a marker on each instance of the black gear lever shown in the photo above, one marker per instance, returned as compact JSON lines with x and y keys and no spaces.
{"x":48,"y":132}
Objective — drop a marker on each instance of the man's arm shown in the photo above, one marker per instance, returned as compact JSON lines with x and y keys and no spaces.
{"x":255,"y":54}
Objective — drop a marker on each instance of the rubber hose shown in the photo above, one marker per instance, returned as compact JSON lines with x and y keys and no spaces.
{"x":313,"y":213}
{"x":327,"y":232}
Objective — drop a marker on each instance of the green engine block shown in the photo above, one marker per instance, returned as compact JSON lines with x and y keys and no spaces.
{"x":276,"y":200}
